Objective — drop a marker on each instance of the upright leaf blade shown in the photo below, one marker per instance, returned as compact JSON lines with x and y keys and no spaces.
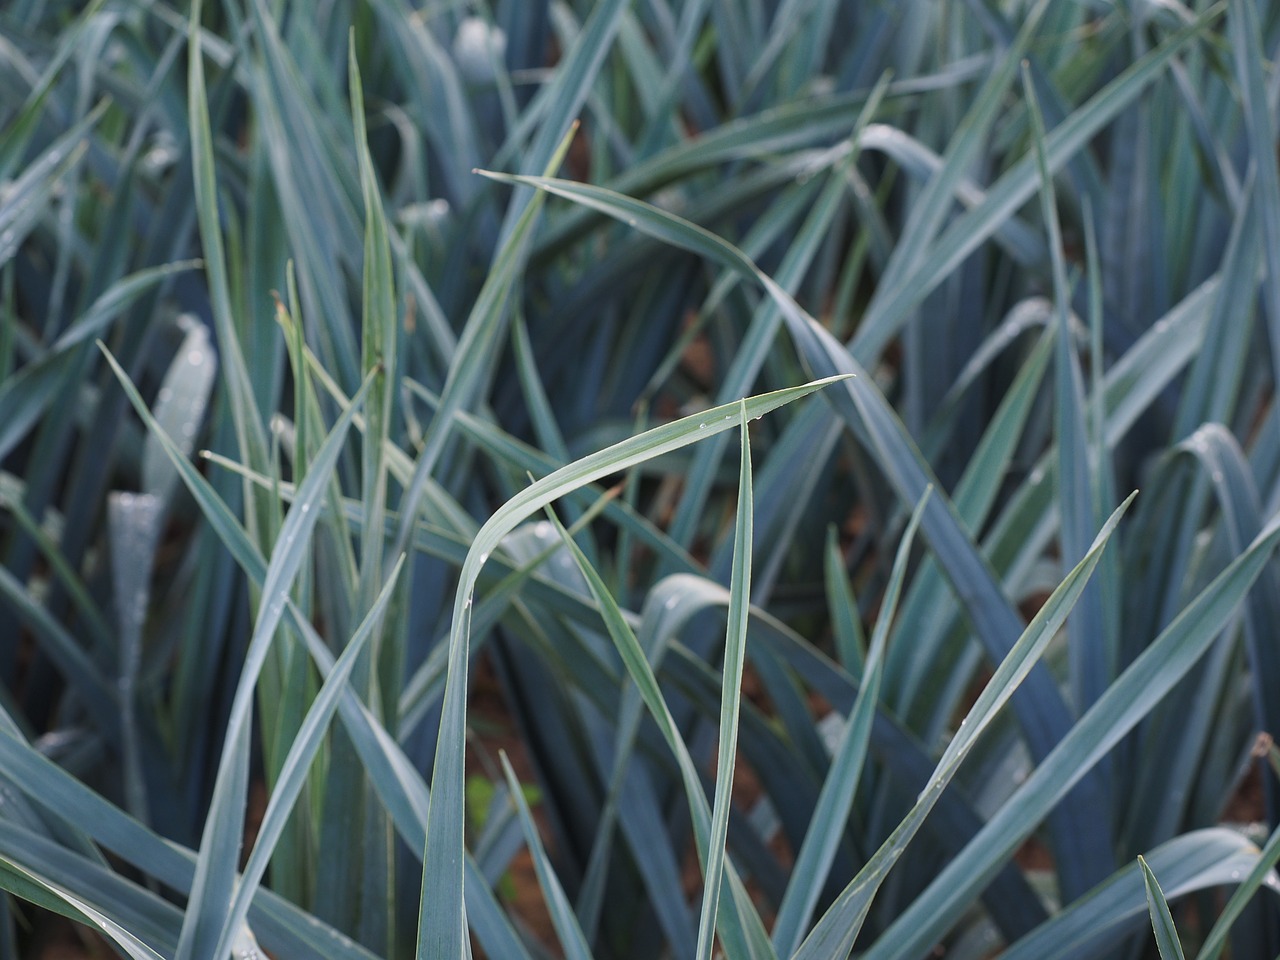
{"x":1161,"y":918}
{"x":735,"y":649}
{"x":836,"y":931}
{"x":442,"y":923}
{"x":813,"y":863}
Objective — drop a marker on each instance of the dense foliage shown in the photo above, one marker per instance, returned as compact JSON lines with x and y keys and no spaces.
{"x":391,"y":566}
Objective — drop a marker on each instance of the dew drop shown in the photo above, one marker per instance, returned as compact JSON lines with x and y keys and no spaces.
{"x":702,"y":426}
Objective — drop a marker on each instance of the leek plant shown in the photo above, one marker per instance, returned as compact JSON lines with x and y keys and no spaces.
{"x":378,"y":576}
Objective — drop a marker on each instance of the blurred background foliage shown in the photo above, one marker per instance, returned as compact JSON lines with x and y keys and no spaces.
{"x":1045,"y":237}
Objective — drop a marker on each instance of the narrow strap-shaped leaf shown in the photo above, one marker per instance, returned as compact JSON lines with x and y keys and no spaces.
{"x":122,"y":937}
{"x":480,"y":337}
{"x":68,"y":578}
{"x":436,"y":91}
{"x":1246,"y":35}
{"x":441,"y":928}
{"x":558,"y":906}
{"x":215,"y":872}
{"x":741,"y":931}
{"x":366,"y":865}
{"x":735,"y":649}
{"x":27,"y":200}
{"x":562,"y":98}
{"x":134,"y":522}
{"x":64,"y":796}
{"x":1214,"y":380}
{"x":398,"y":783}
{"x":180,"y":406}
{"x":527,"y":459}
{"x":761,"y":334}
{"x":250,"y":435}
{"x":25,"y":395}
{"x":545,"y":427}
{"x":1014,"y":188}
{"x":1262,"y":874}
{"x":1041,"y":709}
{"x":313,"y":182}
{"x":1088,"y":678}
{"x":378,"y":351}
{"x":101,"y":699}
{"x":1084,"y":858}
{"x":925,"y":618}
{"x":851,"y":645}
{"x":405,"y":796}
{"x":1134,"y":693}
{"x":1186,"y":733}
{"x":1113,"y":911}
{"x":813,"y":863}
{"x":931,"y":208}
{"x":293,"y":771}
{"x":836,"y":932}
{"x":1161,"y":918}
{"x":786,"y":127}
{"x":758,"y":341}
